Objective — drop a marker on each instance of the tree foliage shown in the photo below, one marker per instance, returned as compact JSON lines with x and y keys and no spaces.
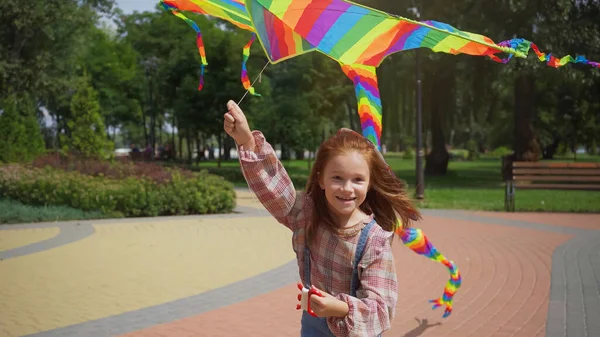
{"x":144,"y":68}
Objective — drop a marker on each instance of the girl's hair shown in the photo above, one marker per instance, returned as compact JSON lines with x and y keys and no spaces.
{"x":386,"y":197}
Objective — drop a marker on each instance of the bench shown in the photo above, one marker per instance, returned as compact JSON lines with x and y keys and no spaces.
{"x":550,"y":176}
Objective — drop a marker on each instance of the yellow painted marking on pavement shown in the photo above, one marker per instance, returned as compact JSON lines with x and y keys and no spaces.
{"x":15,"y":238}
{"x":130,"y":266}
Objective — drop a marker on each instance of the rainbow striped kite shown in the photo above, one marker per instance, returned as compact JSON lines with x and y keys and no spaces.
{"x":356,"y":36}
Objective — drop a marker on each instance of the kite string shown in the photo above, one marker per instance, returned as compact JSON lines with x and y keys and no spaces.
{"x":252,"y":85}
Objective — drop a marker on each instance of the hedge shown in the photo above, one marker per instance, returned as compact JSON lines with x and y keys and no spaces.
{"x":234,"y":175}
{"x":201,"y":193}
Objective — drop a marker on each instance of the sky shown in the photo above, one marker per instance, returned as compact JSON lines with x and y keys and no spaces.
{"x":128,"y":6}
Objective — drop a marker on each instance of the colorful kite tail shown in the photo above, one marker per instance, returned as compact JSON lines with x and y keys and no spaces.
{"x":199,"y":42}
{"x":369,"y":101}
{"x":246,"y":54}
{"x":523,"y":46}
{"x":414,"y":239}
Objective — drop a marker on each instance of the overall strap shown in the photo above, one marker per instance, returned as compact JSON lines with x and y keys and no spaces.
{"x":360,"y":249}
{"x":307,"y":282}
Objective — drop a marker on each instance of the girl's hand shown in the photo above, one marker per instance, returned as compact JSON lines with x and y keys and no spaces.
{"x":236,"y":125}
{"x":328,"y":306}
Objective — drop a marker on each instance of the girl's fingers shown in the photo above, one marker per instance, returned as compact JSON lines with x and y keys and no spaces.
{"x":234,"y":109}
{"x":229,"y":118}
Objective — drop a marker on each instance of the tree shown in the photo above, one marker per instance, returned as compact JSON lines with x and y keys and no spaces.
{"x":20,"y":135}
{"x":87,"y":136}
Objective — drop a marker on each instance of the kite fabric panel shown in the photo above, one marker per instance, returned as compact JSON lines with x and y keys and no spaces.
{"x":355,"y":34}
{"x":233,"y":11}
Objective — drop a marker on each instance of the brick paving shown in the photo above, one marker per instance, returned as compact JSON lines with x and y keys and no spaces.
{"x":524,"y":274}
{"x":506,"y":274}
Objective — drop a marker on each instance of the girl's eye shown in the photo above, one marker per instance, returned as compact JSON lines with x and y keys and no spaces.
{"x":337,"y":177}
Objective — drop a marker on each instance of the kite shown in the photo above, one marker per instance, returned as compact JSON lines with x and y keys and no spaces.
{"x":359,"y":38}
{"x":356,"y":36}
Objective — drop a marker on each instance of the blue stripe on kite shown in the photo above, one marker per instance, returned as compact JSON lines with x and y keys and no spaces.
{"x":369,"y":133}
{"x":237,"y":5}
{"x":369,"y":95}
{"x":341,"y":26}
{"x":416,"y":38}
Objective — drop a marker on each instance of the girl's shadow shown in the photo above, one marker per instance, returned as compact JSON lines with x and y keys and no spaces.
{"x":423,"y":325}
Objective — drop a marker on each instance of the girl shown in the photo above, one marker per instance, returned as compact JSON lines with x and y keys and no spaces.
{"x":342,"y":225}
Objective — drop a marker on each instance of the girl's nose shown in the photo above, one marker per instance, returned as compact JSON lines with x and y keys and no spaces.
{"x":347,"y":185}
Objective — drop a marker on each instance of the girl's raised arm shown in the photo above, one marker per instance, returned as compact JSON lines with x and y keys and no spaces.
{"x":270,"y":182}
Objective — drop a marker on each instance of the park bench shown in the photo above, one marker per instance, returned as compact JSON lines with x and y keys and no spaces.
{"x":546,"y":176}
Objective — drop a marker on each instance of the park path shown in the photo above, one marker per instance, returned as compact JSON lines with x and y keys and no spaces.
{"x":524,"y":274}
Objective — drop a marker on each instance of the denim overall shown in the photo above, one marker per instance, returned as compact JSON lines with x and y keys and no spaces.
{"x":317,"y":326}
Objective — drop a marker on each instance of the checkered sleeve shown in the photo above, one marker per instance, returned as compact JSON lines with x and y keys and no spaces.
{"x":372,"y":310}
{"x":270,"y":182}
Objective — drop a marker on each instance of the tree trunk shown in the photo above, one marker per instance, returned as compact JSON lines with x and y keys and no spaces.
{"x":227,"y":147}
{"x":299,"y":153}
{"x":198,"y":147}
{"x":285,"y":153}
{"x":220,"y":149}
{"x":144,"y":124}
{"x":188,"y":137}
{"x":549,"y":151}
{"x":174,"y":122}
{"x":211,"y":151}
{"x":442,"y":99}
{"x":159,"y":129}
{"x":526,"y":145}
{"x":180,"y":150}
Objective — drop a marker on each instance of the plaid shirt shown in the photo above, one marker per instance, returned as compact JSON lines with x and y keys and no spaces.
{"x":332,"y":255}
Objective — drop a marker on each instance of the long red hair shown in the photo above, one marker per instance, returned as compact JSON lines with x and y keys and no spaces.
{"x":386,"y":198}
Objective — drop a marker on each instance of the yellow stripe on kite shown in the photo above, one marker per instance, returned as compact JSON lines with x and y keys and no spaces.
{"x":352,"y":54}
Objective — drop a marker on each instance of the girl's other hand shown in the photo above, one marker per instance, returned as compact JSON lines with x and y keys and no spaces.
{"x":328,"y":306}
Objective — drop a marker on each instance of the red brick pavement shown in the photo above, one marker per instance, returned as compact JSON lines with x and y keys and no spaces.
{"x":505,"y":290}
{"x":585,"y":221}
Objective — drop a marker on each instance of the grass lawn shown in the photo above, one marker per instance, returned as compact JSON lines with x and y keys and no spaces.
{"x":12,"y":212}
{"x":473,"y":185}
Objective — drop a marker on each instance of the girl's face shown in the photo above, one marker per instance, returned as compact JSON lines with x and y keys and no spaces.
{"x":345,"y":180}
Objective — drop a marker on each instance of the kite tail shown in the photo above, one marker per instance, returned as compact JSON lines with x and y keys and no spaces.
{"x":523,"y":46}
{"x":246,"y":54}
{"x":369,"y":101}
{"x":199,"y":42}
{"x":414,"y":239}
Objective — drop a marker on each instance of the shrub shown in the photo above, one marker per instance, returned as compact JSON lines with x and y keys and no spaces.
{"x":234,"y":175}
{"x":114,"y":169}
{"x":501,"y":151}
{"x":473,"y":151}
{"x":459,"y":154}
{"x":201,"y":193}
{"x":409,"y":153}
